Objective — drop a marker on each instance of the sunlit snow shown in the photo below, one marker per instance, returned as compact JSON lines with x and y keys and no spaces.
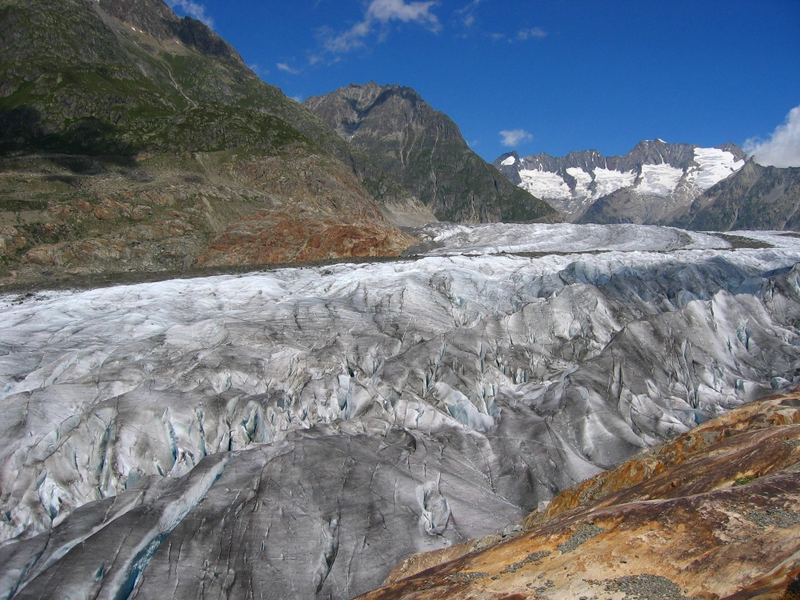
{"x":713,"y":165}
{"x":544,"y":184}
{"x":659,"y":180}
{"x":609,"y":181}
{"x":582,"y":181}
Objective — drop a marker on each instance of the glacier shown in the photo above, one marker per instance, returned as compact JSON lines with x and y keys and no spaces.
{"x":653,"y":183}
{"x":294,"y":433}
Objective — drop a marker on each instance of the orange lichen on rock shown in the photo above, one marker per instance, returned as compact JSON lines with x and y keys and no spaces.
{"x":713,"y":514}
{"x":693,"y":445}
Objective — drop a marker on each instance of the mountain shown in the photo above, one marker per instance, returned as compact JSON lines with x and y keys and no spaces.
{"x":755,"y":197}
{"x":712,"y":514}
{"x":653,"y":183}
{"x":125,"y":76}
{"x":406,"y":150}
{"x":134,"y":140}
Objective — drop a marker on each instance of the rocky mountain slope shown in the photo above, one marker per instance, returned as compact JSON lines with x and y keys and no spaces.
{"x":712,"y":514}
{"x":755,"y":197}
{"x":654,"y":183}
{"x":296,"y":433}
{"x":409,"y":152}
{"x":134,"y":140}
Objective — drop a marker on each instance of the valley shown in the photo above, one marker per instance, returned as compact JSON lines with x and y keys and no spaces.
{"x":310,"y":341}
{"x":411,"y":404}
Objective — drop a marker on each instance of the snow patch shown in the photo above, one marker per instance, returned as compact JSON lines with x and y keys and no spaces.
{"x":659,"y":180}
{"x":582,"y":181}
{"x":544,"y":184}
{"x":608,"y":181}
{"x":509,"y":161}
{"x":713,"y":165}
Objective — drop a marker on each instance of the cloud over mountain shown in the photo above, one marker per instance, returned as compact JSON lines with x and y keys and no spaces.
{"x":782,"y":149}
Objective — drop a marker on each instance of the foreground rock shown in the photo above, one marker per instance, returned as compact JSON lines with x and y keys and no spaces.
{"x":713,"y":514}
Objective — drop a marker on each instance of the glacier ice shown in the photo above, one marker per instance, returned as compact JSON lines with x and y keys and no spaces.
{"x":295,"y":432}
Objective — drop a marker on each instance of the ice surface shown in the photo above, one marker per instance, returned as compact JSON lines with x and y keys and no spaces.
{"x":608,"y":181}
{"x":564,"y":238}
{"x":659,"y":180}
{"x":544,"y":184}
{"x":294,"y":433}
{"x":713,"y":165}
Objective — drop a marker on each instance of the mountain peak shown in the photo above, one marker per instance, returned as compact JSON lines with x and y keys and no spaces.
{"x":402,"y":138}
{"x":362,"y":97}
{"x":653,"y":182}
{"x":158,"y":20}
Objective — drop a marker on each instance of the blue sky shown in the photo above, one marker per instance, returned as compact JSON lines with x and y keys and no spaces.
{"x":554,"y":75}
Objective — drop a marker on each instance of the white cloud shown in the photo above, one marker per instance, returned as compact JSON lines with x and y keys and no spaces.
{"x":381,"y":12}
{"x":782,"y":149}
{"x":514,"y":137}
{"x":287,"y":68}
{"x":193,"y":9}
{"x":467,"y":13}
{"x":400,"y":10}
{"x":531,"y":33}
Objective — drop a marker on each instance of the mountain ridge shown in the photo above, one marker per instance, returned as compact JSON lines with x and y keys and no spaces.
{"x":135,"y":140}
{"x":416,"y":152}
{"x":756,"y":197}
{"x":654,"y":182}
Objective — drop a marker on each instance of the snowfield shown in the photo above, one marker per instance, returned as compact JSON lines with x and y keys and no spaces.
{"x":294,"y":433}
{"x":544,"y":184}
{"x":573,"y":190}
{"x":659,"y":180}
{"x":713,"y":165}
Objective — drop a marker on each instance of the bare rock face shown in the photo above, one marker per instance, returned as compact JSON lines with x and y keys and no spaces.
{"x":216,"y":211}
{"x":407,"y":152}
{"x":715,"y":513}
{"x":756,"y":197}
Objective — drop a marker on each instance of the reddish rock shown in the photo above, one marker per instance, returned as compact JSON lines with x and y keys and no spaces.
{"x":270,"y":238}
{"x":713,"y":514}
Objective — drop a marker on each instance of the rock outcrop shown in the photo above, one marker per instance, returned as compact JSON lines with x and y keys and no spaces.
{"x":408,"y":152}
{"x":713,"y":514}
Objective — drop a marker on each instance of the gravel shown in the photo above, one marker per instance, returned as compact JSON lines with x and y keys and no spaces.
{"x":646,"y":587}
{"x":583,"y":534}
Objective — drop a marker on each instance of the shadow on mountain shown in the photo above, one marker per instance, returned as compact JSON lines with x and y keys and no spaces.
{"x":85,"y":143}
